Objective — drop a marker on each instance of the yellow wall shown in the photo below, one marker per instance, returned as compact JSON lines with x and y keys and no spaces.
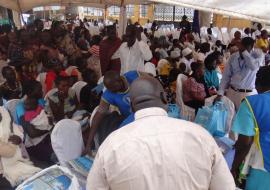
{"x":135,"y":18}
{"x":230,"y":22}
{"x":218,"y":20}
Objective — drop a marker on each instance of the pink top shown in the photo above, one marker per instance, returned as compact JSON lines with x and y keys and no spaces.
{"x":30,"y":115}
{"x":192,"y":90}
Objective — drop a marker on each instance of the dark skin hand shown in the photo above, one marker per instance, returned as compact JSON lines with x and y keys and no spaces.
{"x":14,"y":139}
{"x":31,"y":130}
{"x":242,"y":147}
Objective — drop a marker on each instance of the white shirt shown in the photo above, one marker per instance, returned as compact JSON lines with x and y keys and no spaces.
{"x":156,"y":152}
{"x":144,"y":38}
{"x":133,"y":58}
{"x":187,"y":63}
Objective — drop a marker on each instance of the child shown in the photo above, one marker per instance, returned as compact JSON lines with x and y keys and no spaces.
{"x":32,"y":109}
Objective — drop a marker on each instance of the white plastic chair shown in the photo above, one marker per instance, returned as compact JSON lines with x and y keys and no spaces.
{"x":77,"y":87}
{"x":187,"y":112}
{"x":11,"y":107}
{"x":67,"y":141}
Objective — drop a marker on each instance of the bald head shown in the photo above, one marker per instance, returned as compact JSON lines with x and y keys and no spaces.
{"x":113,"y":81}
{"x":147,"y":92}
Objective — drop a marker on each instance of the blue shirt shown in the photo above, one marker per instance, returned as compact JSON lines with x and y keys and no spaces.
{"x":241,"y":73}
{"x":243,"y":123}
{"x":121,"y":100}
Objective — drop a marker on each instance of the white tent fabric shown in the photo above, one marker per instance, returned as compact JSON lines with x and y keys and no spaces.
{"x":25,"y":5}
{"x":258,"y":10}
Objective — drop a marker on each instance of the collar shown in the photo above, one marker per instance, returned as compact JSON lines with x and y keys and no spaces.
{"x":154,"y":111}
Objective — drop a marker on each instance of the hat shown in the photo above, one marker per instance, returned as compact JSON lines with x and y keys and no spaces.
{"x":186,"y":52}
{"x":150,"y":68}
{"x":175,"y":54}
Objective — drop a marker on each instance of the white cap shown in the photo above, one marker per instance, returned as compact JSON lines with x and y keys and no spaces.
{"x":200,"y":57}
{"x":186,"y":52}
{"x":150,"y":68}
{"x":175,"y":54}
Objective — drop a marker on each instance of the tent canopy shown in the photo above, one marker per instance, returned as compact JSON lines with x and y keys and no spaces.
{"x":25,"y":5}
{"x":255,"y":10}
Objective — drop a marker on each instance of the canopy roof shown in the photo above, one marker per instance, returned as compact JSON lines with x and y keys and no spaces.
{"x":25,"y":5}
{"x":256,"y":10}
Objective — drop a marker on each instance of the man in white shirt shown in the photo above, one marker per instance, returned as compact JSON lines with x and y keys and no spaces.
{"x":134,"y":52}
{"x":187,"y":59}
{"x":156,"y":152}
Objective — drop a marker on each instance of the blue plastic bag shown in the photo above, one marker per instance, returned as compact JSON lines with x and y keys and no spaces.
{"x":173,"y":111}
{"x":213,"y":119}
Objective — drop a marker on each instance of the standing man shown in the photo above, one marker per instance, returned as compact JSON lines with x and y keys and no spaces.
{"x":185,"y":24}
{"x":134,"y":52}
{"x":156,"y":152}
{"x":240,"y":73}
{"x":109,"y":56}
{"x":252,"y":123}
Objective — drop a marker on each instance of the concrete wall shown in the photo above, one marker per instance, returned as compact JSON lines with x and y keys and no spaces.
{"x":230,"y":22}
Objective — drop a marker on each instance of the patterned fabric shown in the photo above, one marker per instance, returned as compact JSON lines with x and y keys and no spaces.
{"x":193,"y":90}
{"x":69,"y":103}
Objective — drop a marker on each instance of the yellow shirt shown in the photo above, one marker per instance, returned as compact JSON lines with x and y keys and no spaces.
{"x":165,"y":69}
{"x":262,"y":43}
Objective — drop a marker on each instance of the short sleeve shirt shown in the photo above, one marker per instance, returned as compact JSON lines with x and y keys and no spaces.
{"x":244,"y":123}
{"x":121,"y":100}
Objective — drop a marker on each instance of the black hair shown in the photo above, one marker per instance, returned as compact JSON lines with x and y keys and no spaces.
{"x":204,"y":46}
{"x":247,"y":41}
{"x":173,"y":75}
{"x":29,"y":85}
{"x":195,"y":66}
{"x":60,"y":78}
{"x":89,"y":75}
{"x":263,"y":76}
{"x":209,"y":60}
{"x":96,"y":39}
{"x":5,"y":69}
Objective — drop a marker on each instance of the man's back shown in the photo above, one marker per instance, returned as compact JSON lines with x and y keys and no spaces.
{"x":157,"y":153}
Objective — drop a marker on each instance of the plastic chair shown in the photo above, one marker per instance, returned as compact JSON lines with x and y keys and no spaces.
{"x":77,"y":87}
{"x":187,"y":112}
{"x":11,"y":107}
{"x":67,"y":141}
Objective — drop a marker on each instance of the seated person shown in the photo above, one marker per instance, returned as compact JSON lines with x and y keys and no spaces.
{"x":89,"y":97}
{"x":53,"y":68}
{"x":63,"y":103}
{"x":13,"y":166}
{"x":117,"y":94}
{"x":37,"y":141}
{"x":12,"y":88}
{"x":210,"y":75}
{"x":194,"y":90}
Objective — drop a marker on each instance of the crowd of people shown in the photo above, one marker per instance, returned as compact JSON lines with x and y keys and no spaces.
{"x":126,"y":84}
